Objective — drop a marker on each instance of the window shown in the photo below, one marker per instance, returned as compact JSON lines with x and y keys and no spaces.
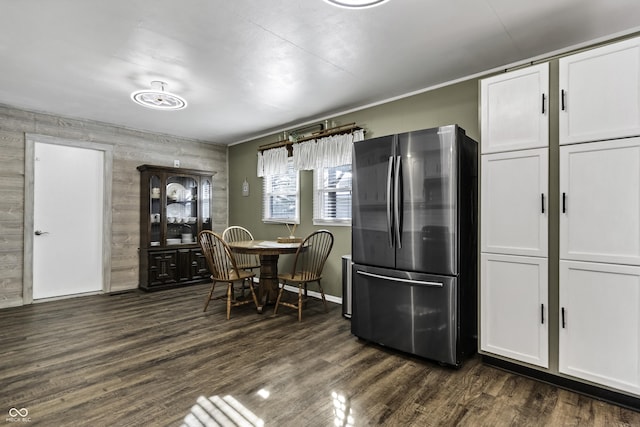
{"x":281,"y":197}
{"x":332,"y":195}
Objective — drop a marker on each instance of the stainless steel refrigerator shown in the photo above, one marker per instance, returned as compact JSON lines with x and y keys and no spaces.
{"x":414,"y":243}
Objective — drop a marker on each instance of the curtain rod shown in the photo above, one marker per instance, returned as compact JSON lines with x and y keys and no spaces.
{"x":348,"y":128}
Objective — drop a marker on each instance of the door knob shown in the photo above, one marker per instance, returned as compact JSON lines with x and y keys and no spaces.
{"x":40,"y":233}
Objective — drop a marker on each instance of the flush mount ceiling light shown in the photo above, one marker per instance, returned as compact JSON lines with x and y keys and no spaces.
{"x":356,"y":4}
{"x":157,"y":98}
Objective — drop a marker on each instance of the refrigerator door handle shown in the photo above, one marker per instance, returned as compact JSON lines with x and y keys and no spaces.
{"x":389,"y":198}
{"x":397,"y":279}
{"x":397,"y":202}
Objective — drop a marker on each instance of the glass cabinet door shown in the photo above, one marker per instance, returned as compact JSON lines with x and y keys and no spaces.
{"x":182,"y":210}
{"x":155,"y":211}
{"x":206,"y":204}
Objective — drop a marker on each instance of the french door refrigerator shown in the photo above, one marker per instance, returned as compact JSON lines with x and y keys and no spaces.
{"x":414,"y":243}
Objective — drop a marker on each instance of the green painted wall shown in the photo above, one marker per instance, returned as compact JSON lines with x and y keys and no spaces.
{"x":454,"y":104}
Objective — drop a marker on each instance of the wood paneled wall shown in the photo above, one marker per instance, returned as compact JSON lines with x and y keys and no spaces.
{"x":130,"y":149}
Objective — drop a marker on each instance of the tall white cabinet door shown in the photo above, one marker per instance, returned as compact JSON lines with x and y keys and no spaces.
{"x":514,"y":203}
{"x":600,"y":201}
{"x":514,"y":317}
{"x":514,"y":110}
{"x":599,"y":335}
{"x":600,"y":93}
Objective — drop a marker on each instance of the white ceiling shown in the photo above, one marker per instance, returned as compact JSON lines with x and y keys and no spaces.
{"x":250,"y":67}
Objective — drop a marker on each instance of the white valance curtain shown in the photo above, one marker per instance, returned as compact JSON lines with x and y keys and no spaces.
{"x":325,"y":152}
{"x":272,"y":162}
{"x":320,"y":153}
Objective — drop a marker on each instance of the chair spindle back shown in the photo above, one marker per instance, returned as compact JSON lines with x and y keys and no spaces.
{"x":218,"y":255}
{"x":312,"y":255}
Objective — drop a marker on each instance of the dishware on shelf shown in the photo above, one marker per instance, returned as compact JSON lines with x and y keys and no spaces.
{"x":174,"y":241}
{"x":176,"y":191}
{"x":187,"y":238}
{"x":171,"y":219}
{"x":155,"y":193}
{"x":155,"y":243}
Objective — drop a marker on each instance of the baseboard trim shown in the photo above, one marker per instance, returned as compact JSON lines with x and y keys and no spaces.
{"x":11,"y":302}
{"x":61,"y":297}
{"x":315,"y":294}
{"x":595,"y":392}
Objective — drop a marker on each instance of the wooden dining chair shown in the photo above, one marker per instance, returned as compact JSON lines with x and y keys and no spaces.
{"x":223,"y":268}
{"x":235,"y":233}
{"x":250,"y":262}
{"x":307,"y":267}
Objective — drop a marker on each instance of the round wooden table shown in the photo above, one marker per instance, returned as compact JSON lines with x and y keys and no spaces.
{"x":269,"y":251}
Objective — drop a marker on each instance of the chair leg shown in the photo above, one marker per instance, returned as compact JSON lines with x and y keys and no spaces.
{"x":324,"y":300}
{"x":206,"y":304}
{"x":300,"y":301}
{"x":275,"y":309}
{"x":253,"y":292}
{"x":229,"y":298}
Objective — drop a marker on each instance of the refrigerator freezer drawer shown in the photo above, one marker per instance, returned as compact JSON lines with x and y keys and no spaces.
{"x":412,"y":312}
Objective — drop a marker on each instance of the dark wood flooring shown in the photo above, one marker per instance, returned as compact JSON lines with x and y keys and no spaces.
{"x":143,"y":359}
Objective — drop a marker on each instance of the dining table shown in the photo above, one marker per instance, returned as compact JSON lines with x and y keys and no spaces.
{"x":269,"y":252}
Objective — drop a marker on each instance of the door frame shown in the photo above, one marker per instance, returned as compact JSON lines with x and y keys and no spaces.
{"x":29,"y":181}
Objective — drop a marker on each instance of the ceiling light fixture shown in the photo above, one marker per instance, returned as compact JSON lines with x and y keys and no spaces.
{"x":157,"y":98}
{"x":356,"y":4}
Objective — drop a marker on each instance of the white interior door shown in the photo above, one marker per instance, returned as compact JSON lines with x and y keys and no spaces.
{"x":68,"y":220}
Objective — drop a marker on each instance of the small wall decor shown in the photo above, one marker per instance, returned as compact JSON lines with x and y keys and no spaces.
{"x":245,"y":188}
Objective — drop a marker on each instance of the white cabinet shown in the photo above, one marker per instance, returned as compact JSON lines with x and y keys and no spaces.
{"x":600,"y":323}
{"x":600,"y":93}
{"x":514,"y":110}
{"x":514,"y":204}
{"x":598,"y":311}
{"x":600,"y":202}
{"x":514,"y":215}
{"x":599,"y":337}
{"x":514,"y":315}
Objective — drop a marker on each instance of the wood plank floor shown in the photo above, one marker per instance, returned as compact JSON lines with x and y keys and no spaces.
{"x":143,"y":359}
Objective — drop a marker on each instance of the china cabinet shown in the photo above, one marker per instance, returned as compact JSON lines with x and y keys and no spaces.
{"x":175,"y":205}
